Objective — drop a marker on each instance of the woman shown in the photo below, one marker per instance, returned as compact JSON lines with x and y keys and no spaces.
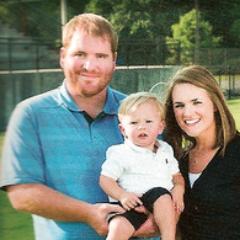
{"x":202,"y":131}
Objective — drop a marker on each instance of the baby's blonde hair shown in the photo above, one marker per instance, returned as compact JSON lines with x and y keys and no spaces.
{"x":134,"y":100}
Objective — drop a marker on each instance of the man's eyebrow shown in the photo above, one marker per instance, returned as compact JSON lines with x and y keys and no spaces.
{"x":102,"y":54}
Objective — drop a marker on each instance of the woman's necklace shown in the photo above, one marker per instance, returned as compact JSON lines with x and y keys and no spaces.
{"x":199,"y":159}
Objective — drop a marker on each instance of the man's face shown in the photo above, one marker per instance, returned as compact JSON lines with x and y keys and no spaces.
{"x":88,"y":64}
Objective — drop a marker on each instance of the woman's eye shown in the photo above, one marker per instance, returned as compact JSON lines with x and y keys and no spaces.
{"x":178,"y":106}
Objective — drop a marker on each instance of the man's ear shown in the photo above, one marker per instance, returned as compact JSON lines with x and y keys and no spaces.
{"x":115,"y":60}
{"x":62,"y":56}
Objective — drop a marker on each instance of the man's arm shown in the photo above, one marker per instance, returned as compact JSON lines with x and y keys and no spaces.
{"x":41,"y":200}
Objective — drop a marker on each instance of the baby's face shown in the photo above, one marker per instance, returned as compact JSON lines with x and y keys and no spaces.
{"x":143,"y":125}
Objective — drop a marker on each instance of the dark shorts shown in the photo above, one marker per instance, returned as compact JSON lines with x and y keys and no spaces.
{"x":148,"y":199}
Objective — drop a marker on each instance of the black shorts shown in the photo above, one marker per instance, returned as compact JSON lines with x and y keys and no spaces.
{"x":148,"y":199}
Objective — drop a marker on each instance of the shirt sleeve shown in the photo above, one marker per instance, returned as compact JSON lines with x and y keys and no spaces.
{"x":22,"y":160}
{"x":113,"y":165}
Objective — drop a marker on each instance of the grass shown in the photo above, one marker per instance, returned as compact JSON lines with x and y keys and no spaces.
{"x":15,"y":225}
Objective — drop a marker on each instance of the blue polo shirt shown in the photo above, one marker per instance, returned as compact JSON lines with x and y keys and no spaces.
{"x":49,"y":141}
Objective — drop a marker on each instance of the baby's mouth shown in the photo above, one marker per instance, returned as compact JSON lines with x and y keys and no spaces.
{"x":142,"y":135}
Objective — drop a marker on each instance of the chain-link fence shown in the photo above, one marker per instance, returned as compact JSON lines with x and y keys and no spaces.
{"x":24,"y":58}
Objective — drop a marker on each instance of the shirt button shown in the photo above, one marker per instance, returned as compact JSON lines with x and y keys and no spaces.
{"x":196,"y":208}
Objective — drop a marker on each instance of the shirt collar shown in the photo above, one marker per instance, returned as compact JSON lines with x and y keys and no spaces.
{"x":67,"y":99}
{"x":110,"y":107}
{"x":137,"y":148}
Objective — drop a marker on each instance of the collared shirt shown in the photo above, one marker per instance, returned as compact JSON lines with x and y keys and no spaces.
{"x":49,"y":141}
{"x":139,"y":169}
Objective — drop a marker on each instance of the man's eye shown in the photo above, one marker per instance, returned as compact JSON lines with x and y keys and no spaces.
{"x":103,"y":56}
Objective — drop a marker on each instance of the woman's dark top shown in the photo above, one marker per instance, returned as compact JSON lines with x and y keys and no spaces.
{"x":212,"y":205}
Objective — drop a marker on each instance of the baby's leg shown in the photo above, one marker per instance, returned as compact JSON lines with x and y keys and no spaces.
{"x":164,"y":214}
{"x":120,"y":229}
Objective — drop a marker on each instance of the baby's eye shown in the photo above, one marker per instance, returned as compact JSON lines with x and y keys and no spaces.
{"x":149,"y":121}
{"x":197,"y":102}
{"x":133,"y":123}
{"x":80,"y":54}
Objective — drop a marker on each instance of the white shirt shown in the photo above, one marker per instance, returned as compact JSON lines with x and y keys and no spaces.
{"x":193,"y":177}
{"x":138,"y":169}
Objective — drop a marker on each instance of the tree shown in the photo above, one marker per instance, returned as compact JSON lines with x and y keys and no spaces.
{"x":222,"y":16}
{"x":141,"y":26}
{"x":235,"y":30}
{"x":184,"y":37}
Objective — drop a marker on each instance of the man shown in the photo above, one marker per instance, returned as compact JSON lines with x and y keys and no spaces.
{"x":56,"y":142}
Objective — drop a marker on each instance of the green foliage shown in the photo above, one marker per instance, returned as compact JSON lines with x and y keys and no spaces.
{"x":138,"y":19}
{"x":133,"y":19}
{"x":33,"y":18}
{"x":141,"y":26}
{"x":184,"y":34}
{"x":235,"y":30}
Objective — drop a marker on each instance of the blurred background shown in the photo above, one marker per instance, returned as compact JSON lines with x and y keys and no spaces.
{"x":157,"y":36}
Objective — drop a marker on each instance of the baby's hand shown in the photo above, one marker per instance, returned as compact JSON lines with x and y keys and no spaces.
{"x":130,"y":200}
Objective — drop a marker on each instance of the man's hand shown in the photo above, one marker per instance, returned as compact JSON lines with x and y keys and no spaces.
{"x":97,"y":217}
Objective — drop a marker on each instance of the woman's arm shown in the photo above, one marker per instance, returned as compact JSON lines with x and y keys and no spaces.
{"x":178,"y":192}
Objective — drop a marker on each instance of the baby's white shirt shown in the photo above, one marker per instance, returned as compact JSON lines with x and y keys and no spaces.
{"x":138,"y":169}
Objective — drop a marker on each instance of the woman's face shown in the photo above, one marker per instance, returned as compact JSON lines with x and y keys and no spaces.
{"x":194,"y":110}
